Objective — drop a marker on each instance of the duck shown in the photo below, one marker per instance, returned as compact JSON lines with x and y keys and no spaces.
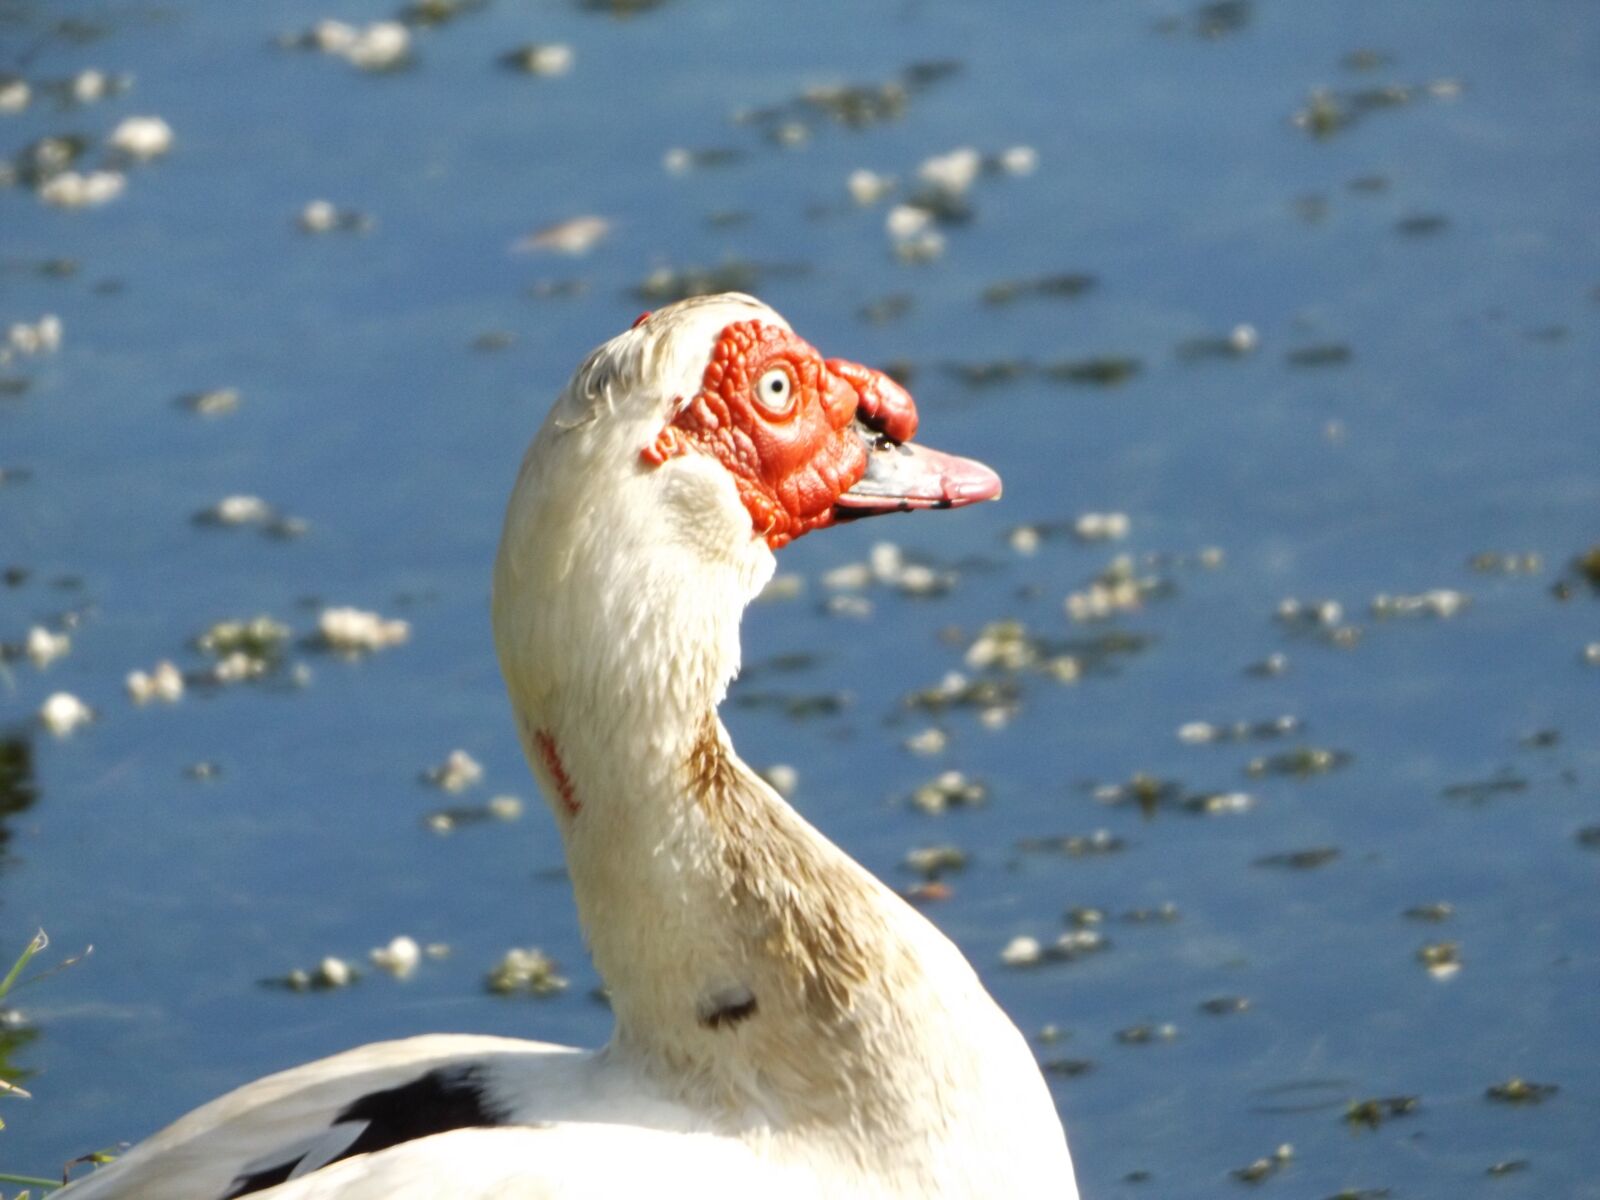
{"x":786,"y":1025}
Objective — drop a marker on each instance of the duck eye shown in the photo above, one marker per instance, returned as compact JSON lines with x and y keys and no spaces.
{"x":774,"y":391}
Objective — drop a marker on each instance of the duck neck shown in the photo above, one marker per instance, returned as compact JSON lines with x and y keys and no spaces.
{"x":750,"y":963}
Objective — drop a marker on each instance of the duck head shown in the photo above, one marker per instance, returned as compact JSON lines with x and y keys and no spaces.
{"x":807,"y":440}
{"x":681,"y":454}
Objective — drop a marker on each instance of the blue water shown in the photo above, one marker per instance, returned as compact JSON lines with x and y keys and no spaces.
{"x":1460,"y":419}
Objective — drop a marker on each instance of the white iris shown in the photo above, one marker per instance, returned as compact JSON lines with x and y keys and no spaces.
{"x":773,"y":390}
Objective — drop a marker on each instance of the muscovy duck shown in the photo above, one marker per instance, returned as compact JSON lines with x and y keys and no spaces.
{"x":786,"y":1025}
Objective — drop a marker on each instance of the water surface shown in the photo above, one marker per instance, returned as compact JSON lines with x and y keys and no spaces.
{"x":1421,"y":282}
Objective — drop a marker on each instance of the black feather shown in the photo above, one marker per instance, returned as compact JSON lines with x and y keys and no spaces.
{"x":442,"y":1100}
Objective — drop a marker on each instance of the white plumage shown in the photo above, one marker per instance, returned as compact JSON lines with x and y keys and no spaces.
{"x":785,"y":1025}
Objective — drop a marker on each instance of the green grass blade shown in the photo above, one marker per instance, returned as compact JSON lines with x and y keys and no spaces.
{"x":40,"y":941}
{"x":30,"y":1180}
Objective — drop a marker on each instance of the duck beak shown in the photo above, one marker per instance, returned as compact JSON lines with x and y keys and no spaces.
{"x":902,"y":476}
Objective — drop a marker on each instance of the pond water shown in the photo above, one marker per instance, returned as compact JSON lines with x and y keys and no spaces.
{"x":1306,"y":297}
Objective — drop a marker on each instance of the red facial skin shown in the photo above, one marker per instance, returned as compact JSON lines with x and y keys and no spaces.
{"x":790,"y":465}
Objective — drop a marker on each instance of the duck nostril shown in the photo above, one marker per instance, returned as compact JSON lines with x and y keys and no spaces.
{"x":882,"y":405}
{"x":876,"y":420}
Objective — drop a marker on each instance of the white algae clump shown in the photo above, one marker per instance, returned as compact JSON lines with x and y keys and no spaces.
{"x":40,"y":337}
{"x":44,"y":647}
{"x":540,"y":58}
{"x":164,"y":682}
{"x":380,"y":46}
{"x":399,"y":957}
{"x":353,"y":631}
{"x":575,"y":236}
{"x":141,"y":138}
{"x":528,"y":970}
{"x":72,"y":189}
{"x":63,"y":713}
{"x":457,"y":773}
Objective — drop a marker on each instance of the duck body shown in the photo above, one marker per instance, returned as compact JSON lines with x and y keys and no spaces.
{"x":785,"y":1024}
